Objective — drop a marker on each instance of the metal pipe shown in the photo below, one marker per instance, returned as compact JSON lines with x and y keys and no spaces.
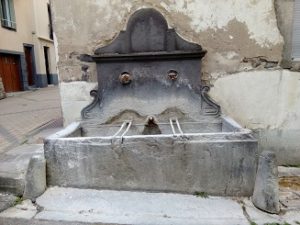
{"x":172,"y":120}
{"x":121,"y":128}
{"x":128,"y":123}
{"x":178,"y":126}
{"x":173,"y":129}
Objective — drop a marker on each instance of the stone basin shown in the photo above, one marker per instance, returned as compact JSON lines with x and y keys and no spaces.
{"x":152,"y":125}
{"x":218,"y":158}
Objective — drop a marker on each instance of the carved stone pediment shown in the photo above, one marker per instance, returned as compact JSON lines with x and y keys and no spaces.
{"x":149,"y":69}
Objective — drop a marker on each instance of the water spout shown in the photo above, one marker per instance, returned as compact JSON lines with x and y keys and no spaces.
{"x":151,"y":126}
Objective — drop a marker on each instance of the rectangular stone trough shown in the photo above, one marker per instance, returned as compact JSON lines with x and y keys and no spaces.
{"x":218,"y":158}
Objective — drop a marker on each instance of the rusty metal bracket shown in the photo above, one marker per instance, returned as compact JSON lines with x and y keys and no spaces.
{"x":210,"y":101}
{"x":88,"y":108}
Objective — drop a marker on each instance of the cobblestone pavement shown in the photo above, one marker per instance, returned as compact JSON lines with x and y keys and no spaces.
{"x":25,"y":113}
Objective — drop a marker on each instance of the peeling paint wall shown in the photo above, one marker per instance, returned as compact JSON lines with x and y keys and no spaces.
{"x":244,"y":44}
{"x":267,"y":102}
{"x":230,"y":30}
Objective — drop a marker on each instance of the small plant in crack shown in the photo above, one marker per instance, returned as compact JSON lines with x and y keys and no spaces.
{"x":201,"y":194}
{"x":18,"y":201}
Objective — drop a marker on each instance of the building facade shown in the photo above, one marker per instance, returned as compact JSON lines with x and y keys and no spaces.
{"x":27,"y":56}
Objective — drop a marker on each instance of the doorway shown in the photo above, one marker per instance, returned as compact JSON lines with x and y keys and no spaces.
{"x":10,"y":72}
{"x":29,"y":64}
{"x":47,"y":65}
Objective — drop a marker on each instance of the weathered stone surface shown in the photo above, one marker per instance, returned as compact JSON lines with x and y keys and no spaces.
{"x":259,"y":217}
{"x":229,"y":36}
{"x":259,"y":100}
{"x":25,"y":210}
{"x":288,"y":171}
{"x":17,"y":221}
{"x":207,"y":163}
{"x":13,"y":167}
{"x":266,"y":190}
{"x":35,"y":180}
{"x":69,"y":206}
{"x":6,"y":201}
{"x":137,"y":208}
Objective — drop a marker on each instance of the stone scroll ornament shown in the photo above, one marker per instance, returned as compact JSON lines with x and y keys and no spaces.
{"x":148,"y":56}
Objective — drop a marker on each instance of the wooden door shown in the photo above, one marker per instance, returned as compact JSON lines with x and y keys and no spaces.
{"x":10,"y":73}
{"x":29,"y":63}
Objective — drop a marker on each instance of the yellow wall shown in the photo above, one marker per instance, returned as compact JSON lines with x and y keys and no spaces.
{"x":32,"y":28}
{"x":42,"y":36}
{"x":13,"y":40}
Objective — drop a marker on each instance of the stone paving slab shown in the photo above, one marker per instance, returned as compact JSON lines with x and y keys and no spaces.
{"x":136,"y":208}
{"x":13,"y":167}
{"x":284,"y":171}
{"x":6,"y":201}
{"x":260,"y":218}
{"x":70,"y":206}
{"x":17,"y":221}
{"x":24,"y":113}
{"x":25,"y":210}
{"x":290,"y":199}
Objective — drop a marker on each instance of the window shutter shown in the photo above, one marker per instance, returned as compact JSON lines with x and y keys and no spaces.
{"x":296,"y":31}
{"x":1,"y":12}
{"x":12,"y":13}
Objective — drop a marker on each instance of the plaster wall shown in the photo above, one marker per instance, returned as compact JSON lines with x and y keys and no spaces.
{"x":244,"y":44}
{"x":13,"y":40}
{"x":267,"y":102}
{"x":42,"y":36}
{"x":33,"y":29}
{"x":232,"y":31}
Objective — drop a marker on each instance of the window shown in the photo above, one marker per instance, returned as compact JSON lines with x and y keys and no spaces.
{"x":7,"y":14}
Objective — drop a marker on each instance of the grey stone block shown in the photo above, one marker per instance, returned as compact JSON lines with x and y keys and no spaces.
{"x":6,"y":201}
{"x":205,"y":163}
{"x":35,"y":181}
{"x":13,"y":167}
{"x":266,"y":190}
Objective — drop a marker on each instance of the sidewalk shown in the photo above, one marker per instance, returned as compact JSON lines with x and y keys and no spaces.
{"x":27,"y":113}
{"x":60,"y":205}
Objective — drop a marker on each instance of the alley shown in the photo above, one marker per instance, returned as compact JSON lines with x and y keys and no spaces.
{"x":26,"y":114}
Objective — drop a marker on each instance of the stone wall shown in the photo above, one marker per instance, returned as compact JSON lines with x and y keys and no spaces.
{"x":2,"y":92}
{"x":245,"y":51}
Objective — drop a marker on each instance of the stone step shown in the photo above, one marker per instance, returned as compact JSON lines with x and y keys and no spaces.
{"x":17,"y":221}
{"x":70,"y":206}
{"x":124,"y":207}
{"x":13,"y":167}
{"x":288,"y":171}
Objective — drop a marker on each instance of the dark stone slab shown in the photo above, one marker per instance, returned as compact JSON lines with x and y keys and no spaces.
{"x":148,"y":61}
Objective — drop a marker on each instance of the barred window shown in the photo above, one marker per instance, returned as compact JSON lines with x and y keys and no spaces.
{"x":7,"y":14}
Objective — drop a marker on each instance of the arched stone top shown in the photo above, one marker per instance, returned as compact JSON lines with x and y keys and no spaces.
{"x":147,"y":31}
{"x":148,"y":69}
